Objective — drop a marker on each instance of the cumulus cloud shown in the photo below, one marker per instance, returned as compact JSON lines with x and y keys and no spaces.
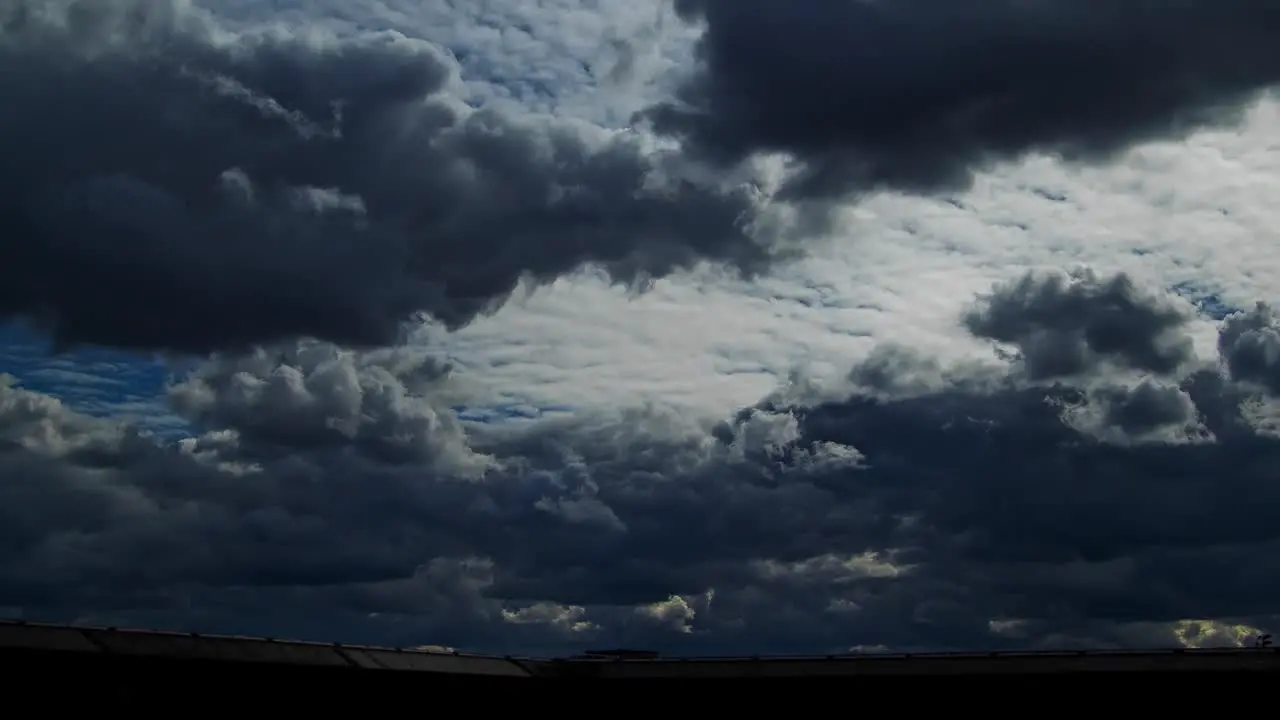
{"x":1067,"y":326}
{"x":926,"y":504}
{"x":1250,"y":345}
{"x":387,"y":404}
{"x":919,"y":94}
{"x":173,"y":183}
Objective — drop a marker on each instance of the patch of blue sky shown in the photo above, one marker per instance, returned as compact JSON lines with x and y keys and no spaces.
{"x":508,"y":412}
{"x":1206,"y":301}
{"x":94,"y":381}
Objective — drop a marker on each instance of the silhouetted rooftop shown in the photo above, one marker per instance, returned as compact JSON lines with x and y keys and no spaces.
{"x":31,"y":638}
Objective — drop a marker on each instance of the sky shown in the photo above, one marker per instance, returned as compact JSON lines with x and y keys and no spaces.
{"x":703,"y":326}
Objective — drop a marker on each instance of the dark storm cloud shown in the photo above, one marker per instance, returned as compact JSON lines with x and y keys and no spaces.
{"x":918,"y":94}
{"x":1250,"y":345}
{"x":930,"y":507}
{"x":169,"y":184}
{"x":1068,"y":325}
{"x":1147,"y":408}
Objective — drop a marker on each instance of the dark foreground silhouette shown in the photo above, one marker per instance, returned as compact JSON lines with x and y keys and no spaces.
{"x":52,"y":667}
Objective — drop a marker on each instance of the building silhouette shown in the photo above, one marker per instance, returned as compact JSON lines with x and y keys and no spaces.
{"x":61,"y":666}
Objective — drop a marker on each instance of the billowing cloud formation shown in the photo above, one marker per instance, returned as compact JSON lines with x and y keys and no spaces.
{"x":1062,"y":327}
{"x":1130,"y":501}
{"x":313,"y":395}
{"x":172,"y":184}
{"x":1250,"y":345}
{"x":918,"y":94}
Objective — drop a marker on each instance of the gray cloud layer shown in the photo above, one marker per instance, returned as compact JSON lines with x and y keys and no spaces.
{"x":917,"y":94}
{"x":171,"y":184}
{"x":925,"y":506}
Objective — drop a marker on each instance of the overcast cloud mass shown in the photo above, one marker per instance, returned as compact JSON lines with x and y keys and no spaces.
{"x":887,"y":325}
{"x":918,"y":94}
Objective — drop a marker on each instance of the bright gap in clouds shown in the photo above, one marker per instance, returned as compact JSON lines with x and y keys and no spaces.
{"x":900,"y":270}
{"x":94,"y":381}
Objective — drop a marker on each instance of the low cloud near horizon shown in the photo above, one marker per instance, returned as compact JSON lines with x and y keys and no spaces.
{"x":414,"y":341}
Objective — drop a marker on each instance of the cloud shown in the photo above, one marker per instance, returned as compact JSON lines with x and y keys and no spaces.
{"x":926,"y":503}
{"x":918,"y":95}
{"x":1063,"y":327}
{"x":384,"y":404}
{"x":1250,"y":344}
{"x":1191,"y":216}
{"x":597,"y":61}
{"x":175,"y":184}
{"x":1073,"y":458}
